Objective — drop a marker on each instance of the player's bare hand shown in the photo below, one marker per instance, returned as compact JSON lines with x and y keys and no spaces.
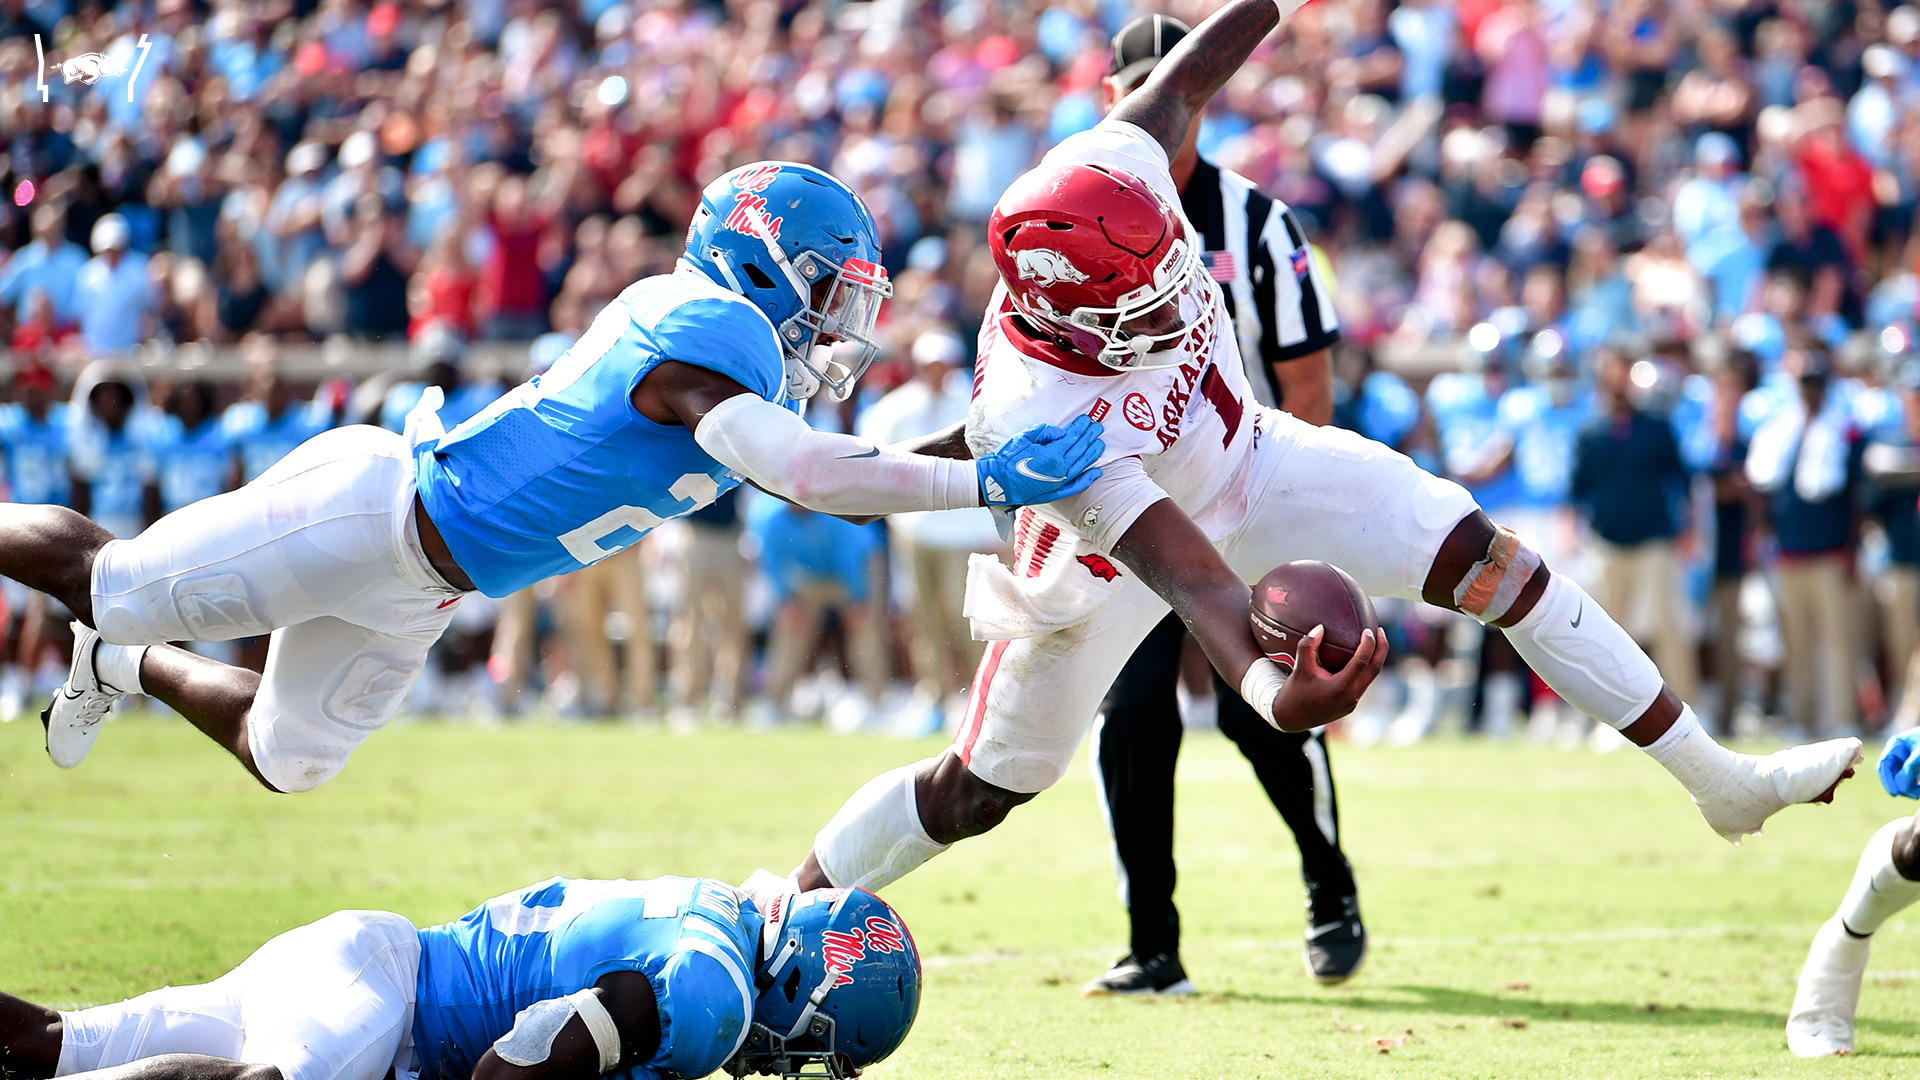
{"x":1313,"y":696}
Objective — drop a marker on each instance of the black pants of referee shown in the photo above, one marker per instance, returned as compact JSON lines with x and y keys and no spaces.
{"x":1136,"y":742}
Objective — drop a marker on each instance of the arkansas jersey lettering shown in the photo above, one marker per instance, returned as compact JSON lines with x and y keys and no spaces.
{"x":1099,"y":566}
{"x":1214,"y":388}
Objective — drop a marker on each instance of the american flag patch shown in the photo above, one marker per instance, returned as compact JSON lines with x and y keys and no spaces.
{"x":1301,"y":257}
{"x":1221,"y":265}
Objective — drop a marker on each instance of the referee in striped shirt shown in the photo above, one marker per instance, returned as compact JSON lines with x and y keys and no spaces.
{"x":1285,"y":323}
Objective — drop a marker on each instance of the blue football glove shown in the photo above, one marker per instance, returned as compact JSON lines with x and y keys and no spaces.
{"x":1042,"y":464}
{"x":1900,"y":766}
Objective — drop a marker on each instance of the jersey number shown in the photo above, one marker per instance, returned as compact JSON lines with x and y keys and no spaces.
{"x":583,"y":543}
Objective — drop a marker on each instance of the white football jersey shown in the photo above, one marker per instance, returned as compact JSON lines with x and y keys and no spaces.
{"x":1182,"y":432}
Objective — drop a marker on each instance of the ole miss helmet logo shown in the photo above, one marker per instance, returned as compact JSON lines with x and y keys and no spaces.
{"x":840,"y":950}
{"x":1099,"y":566}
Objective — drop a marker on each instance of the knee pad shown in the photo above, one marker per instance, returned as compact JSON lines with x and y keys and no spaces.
{"x":286,"y":761}
{"x":876,"y":838}
{"x":1491,"y":585}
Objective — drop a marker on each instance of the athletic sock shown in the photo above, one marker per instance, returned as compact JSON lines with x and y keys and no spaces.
{"x":1878,"y":891}
{"x":118,"y":667}
{"x":1691,"y":754}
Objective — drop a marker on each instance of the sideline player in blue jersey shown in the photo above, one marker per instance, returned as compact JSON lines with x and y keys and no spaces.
{"x":352,"y":549}
{"x":563,"y":980}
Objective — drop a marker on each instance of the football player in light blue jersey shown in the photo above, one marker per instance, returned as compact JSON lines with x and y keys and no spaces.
{"x":269,"y":423}
{"x":352,"y":549}
{"x":33,"y":434}
{"x":112,"y":471}
{"x":563,"y":980}
{"x":193,"y":455}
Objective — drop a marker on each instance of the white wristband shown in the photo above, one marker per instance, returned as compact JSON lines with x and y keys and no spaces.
{"x":1261,"y":685}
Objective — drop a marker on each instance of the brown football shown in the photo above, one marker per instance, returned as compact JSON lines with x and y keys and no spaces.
{"x":1293,"y":599}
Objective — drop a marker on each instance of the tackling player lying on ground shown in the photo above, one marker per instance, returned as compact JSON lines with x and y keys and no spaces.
{"x":1103,"y":309}
{"x":563,"y":980}
{"x":352,"y":549}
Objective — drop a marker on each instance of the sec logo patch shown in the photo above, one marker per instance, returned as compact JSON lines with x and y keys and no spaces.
{"x":1138,"y":412}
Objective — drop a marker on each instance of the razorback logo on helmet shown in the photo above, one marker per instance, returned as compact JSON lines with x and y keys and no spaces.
{"x":840,"y":950}
{"x":883,"y":936}
{"x":1100,"y":409}
{"x":756,"y":179}
{"x":750,"y":216}
{"x":1047,"y":267}
{"x":1099,"y":566}
{"x":1137,"y":411}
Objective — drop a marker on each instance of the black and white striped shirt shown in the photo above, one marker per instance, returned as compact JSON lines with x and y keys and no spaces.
{"x":1281,"y":308}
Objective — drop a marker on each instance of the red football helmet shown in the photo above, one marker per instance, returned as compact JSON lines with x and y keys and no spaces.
{"x":1085,"y":249}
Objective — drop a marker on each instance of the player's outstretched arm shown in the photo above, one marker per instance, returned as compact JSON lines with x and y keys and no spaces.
{"x":534,"y":1051}
{"x":1203,"y":61}
{"x":1177,"y":561}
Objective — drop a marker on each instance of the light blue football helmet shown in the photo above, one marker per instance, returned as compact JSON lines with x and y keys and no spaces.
{"x":774,"y":232}
{"x":839,"y":986}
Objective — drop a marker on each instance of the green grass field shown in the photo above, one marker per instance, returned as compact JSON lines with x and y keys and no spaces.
{"x":1535,"y":912}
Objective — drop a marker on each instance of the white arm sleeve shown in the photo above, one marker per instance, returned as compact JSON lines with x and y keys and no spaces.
{"x":834,"y":474}
{"x":1108,"y":508}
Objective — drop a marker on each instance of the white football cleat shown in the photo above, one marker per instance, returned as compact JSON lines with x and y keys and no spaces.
{"x":1741,"y":801}
{"x":1821,"y":1023}
{"x":73,"y":720}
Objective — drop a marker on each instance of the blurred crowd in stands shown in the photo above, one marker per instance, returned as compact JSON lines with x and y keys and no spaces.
{"x":1661,"y":255}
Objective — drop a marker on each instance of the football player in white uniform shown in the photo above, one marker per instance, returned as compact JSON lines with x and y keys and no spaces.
{"x":1105,"y":310}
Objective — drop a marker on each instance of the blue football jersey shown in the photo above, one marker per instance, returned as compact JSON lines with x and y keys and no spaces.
{"x":36,"y":455}
{"x":116,"y":468}
{"x":263,"y":440}
{"x":694,"y":938}
{"x":563,"y":470}
{"x":1545,"y":436}
{"x":1467,"y":419}
{"x":190,"y":464}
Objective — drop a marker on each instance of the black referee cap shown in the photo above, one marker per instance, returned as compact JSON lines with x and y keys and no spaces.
{"x":1141,"y":43}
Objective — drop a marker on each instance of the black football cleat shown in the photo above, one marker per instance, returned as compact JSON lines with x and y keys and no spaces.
{"x":1159,"y":975}
{"x":1336,"y":940}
